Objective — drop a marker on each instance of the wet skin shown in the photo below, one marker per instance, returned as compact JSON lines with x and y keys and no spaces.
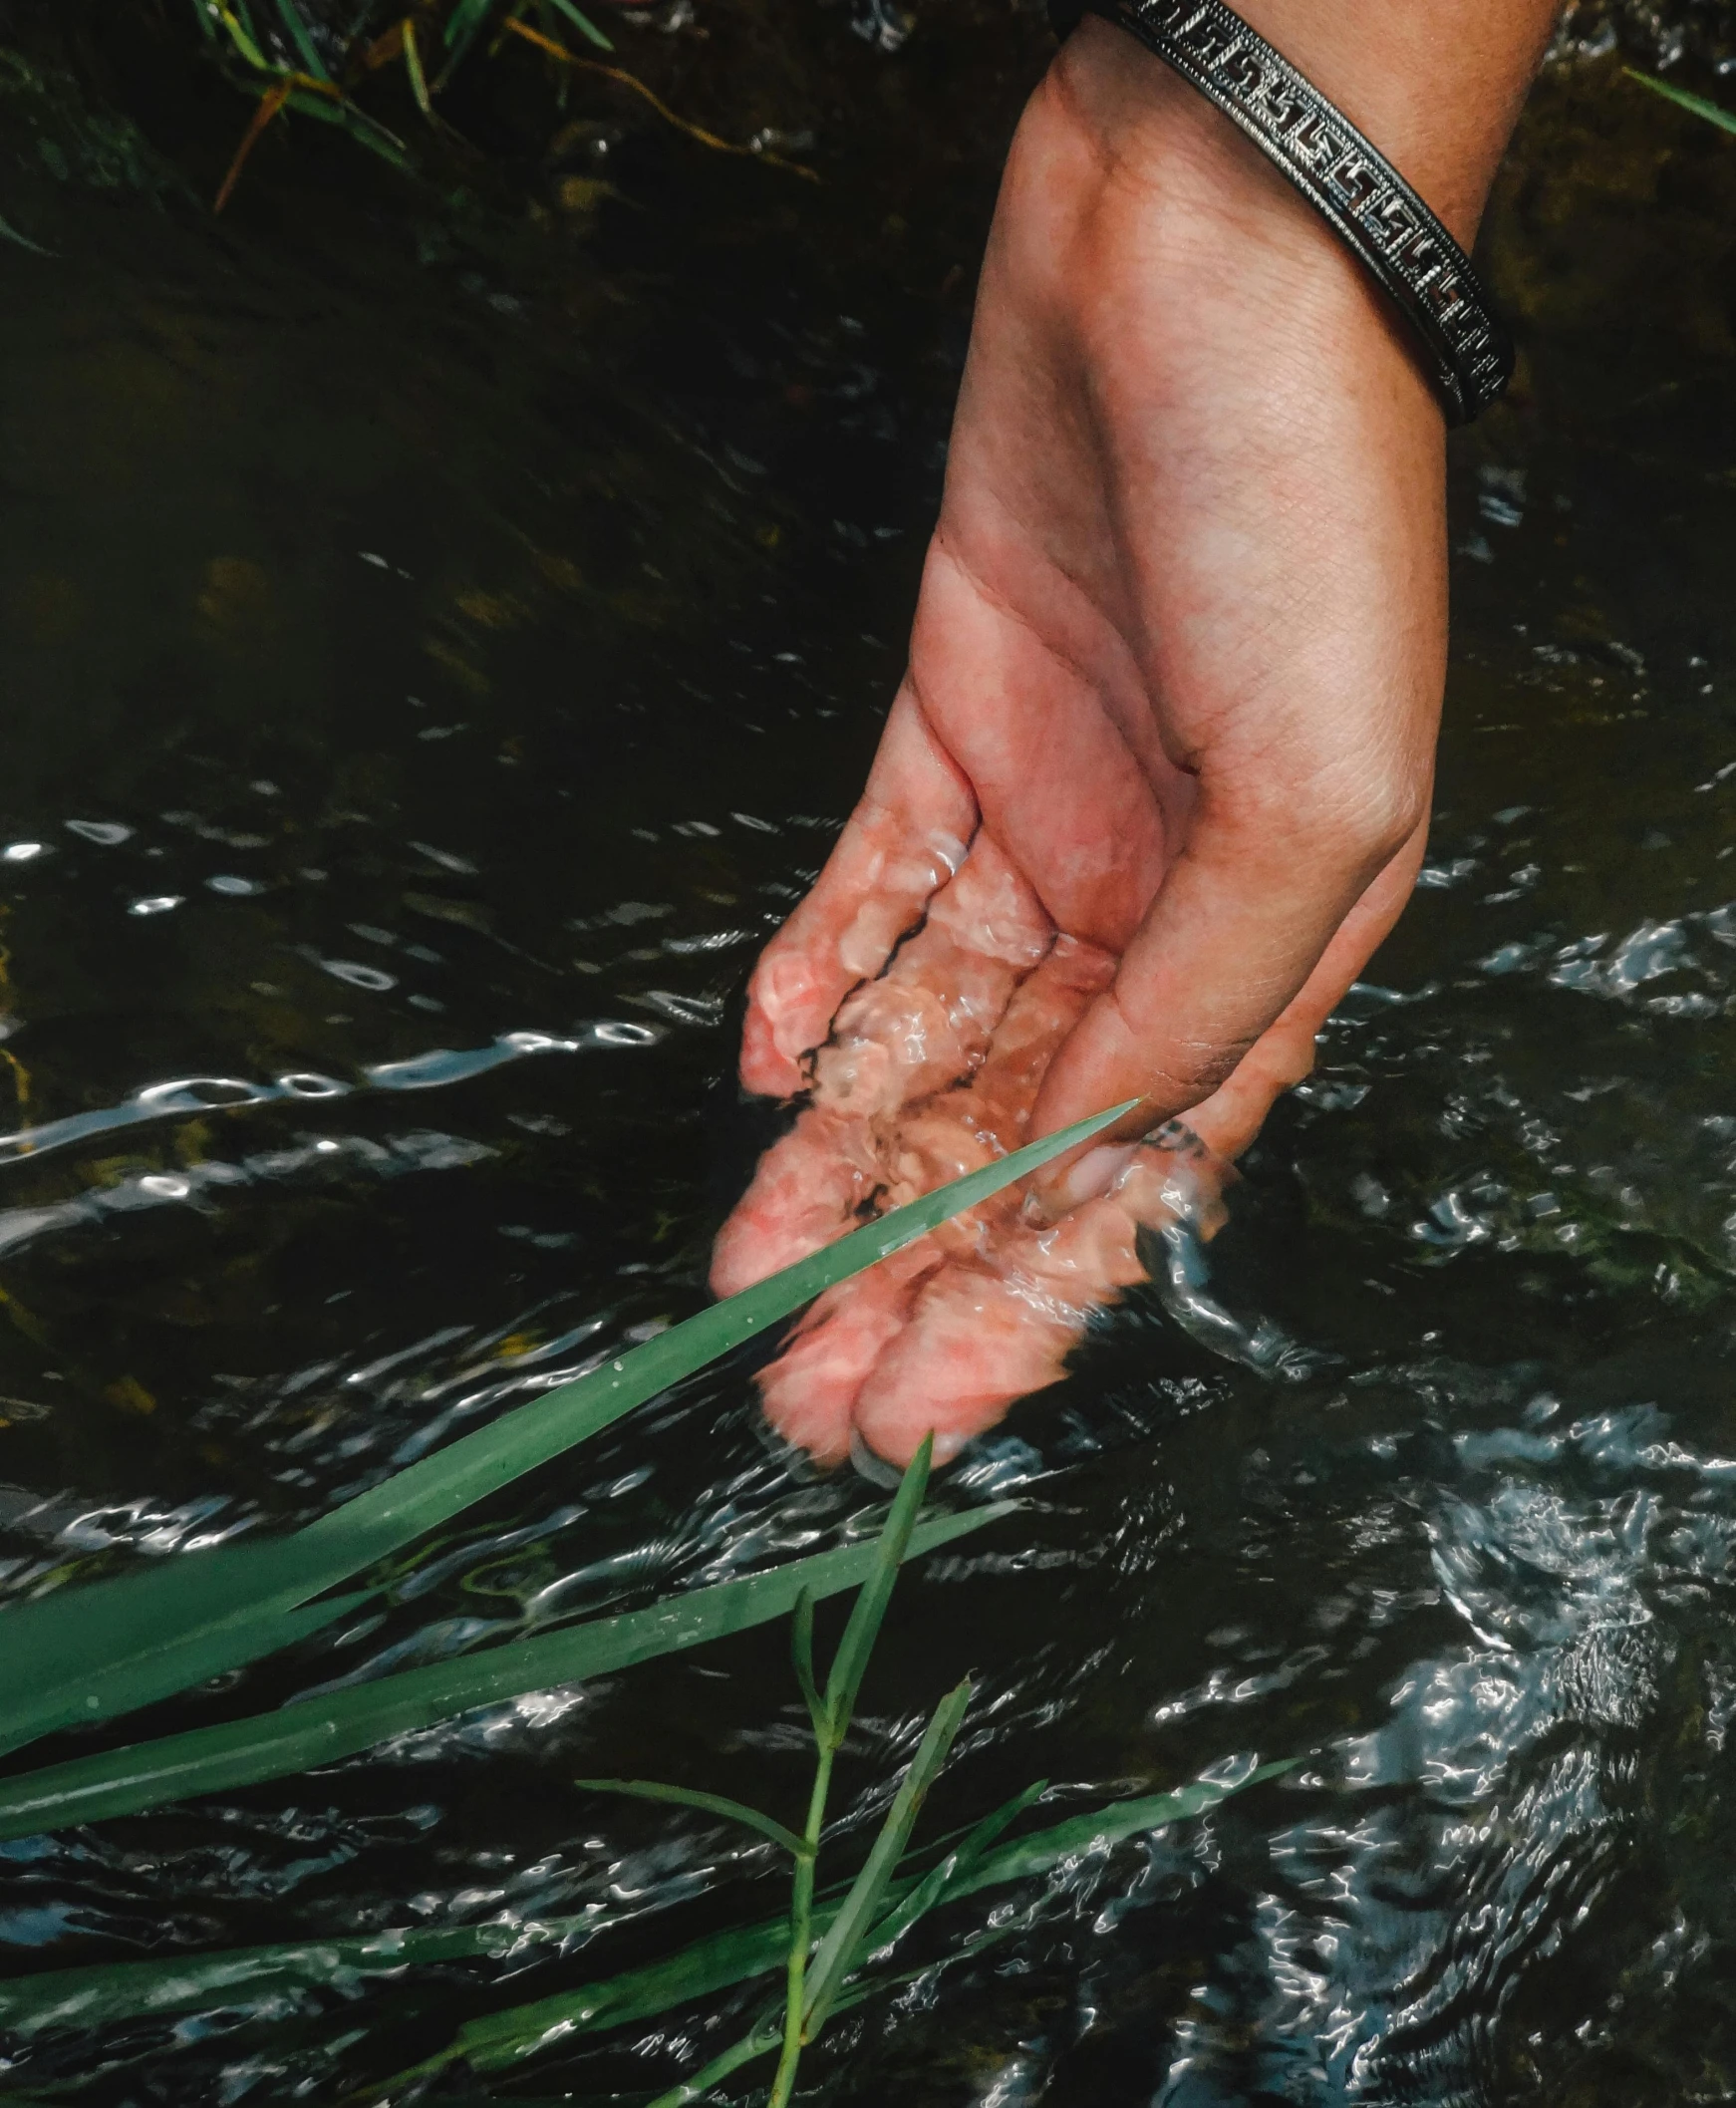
{"x":1155,"y":784}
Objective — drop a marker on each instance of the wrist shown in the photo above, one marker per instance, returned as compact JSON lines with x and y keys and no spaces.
{"x":1436,"y":84}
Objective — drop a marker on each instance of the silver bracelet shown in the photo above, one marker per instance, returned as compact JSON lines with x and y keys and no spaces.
{"x":1468,"y":354}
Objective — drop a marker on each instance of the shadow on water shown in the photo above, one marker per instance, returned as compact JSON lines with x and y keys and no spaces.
{"x":442,"y":629}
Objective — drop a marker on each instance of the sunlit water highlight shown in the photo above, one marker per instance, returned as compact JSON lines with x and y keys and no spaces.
{"x":388,"y":838}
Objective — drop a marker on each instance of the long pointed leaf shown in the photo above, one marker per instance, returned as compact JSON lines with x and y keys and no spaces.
{"x":709,"y":1803}
{"x":464,"y":21}
{"x":801,"y":1654}
{"x":842,"y":1948}
{"x":59,"y":1648}
{"x":582,"y":24}
{"x":962,"y":1858}
{"x":94,"y":1996}
{"x":761,"y":2043}
{"x":154,"y":1674}
{"x":869,"y":1611}
{"x":1713,"y":112}
{"x":290,"y":15}
{"x":338,"y":1723}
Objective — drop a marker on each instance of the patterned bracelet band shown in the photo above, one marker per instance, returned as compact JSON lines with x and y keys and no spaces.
{"x":1376,"y":213}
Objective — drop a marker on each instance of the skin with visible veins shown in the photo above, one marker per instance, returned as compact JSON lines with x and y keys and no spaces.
{"x":1175,"y":680}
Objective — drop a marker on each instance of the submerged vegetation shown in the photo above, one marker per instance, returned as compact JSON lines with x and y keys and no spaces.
{"x":79,"y":1656}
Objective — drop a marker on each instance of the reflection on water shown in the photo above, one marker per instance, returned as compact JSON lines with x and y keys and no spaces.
{"x":435,"y":654}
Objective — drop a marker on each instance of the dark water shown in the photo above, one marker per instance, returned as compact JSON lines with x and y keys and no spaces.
{"x":439,"y":640}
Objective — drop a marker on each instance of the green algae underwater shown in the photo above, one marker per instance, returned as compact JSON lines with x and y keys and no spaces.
{"x":445,"y":612}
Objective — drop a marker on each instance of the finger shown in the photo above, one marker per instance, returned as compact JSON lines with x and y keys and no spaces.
{"x":905,"y":838}
{"x":810,"y":1390}
{"x":1242,"y":922}
{"x":811,"y":1393}
{"x":986,"y":1332}
{"x":928,"y":1019}
{"x":807,"y":1190}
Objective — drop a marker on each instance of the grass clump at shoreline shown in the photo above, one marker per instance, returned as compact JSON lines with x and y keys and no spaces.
{"x":294,"y":59}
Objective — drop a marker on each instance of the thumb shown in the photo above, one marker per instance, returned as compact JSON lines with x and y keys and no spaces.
{"x":1259,"y":929}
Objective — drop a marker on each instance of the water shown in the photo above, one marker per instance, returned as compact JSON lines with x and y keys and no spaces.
{"x":441,"y":640}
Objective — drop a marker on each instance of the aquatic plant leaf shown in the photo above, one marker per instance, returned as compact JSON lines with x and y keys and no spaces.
{"x":320,"y":1730}
{"x":802,"y":1655}
{"x":412,"y":66}
{"x":464,"y":21}
{"x":128,"y":1663}
{"x":60,"y":1647}
{"x":292,"y":21}
{"x":709,"y":1803}
{"x":869,"y":1611}
{"x":842,"y":1948}
{"x":761,"y":2043}
{"x":96,"y":1995}
{"x":963,"y":1858}
{"x":582,"y":23}
{"x":1713,"y":112}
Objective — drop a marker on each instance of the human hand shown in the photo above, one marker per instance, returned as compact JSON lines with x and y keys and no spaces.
{"x":1175,"y":678}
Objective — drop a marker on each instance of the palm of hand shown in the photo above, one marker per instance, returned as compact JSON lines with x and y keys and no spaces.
{"x":1174,"y":675}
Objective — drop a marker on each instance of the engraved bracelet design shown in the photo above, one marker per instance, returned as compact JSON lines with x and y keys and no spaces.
{"x":1376,"y":213}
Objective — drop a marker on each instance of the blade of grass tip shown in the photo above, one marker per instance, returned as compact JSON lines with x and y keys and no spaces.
{"x":59,"y":1648}
{"x":1713,"y":112}
{"x":841,"y":1948}
{"x":851,"y":1661}
{"x":244,"y":40}
{"x":338,"y":1723}
{"x":582,"y":24}
{"x":709,"y":1803}
{"x":801,"y":1654}
{"x":270,"y":102}
{"x":963,"y":1855}
{"x":412,"y":66}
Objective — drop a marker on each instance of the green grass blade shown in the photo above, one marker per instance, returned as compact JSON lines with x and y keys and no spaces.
{"x":801,"y":1654}
{"x":1713,"y":112}
{"x":464,"y":21}
{"x":582,"y":24}
{"x":761,"y":2043}
{"x":711,"y":1803}
{"x":241,"y":36}
{"x":290,"y":15}
{"x":110,"y":1655}
{"x":851,"y":1662}
{"x":96,"y":1996}
{"x":82,"y":1635}
{"x":412,"y":64}
{"x":842,"y":1948}
{"x":1047,"y":1849}
{"x":339,"y":1724}
{"x":963,"y":1858}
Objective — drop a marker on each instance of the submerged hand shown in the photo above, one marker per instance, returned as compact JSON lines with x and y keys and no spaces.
{"x":1175,"y":679}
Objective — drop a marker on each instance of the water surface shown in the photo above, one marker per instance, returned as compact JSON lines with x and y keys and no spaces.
{"x":442,"y":639}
